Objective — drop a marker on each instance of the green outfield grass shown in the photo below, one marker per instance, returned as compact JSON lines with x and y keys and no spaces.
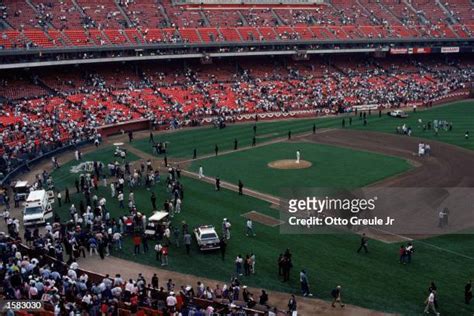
{"x":63,"y":177}
{"x":374,"y":281}
{"x":461,"y":114}
{"x":182,"y":143}
{"x":332,"y":166}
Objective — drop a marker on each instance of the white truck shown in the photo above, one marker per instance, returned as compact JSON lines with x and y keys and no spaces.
{"x":37,"y":208}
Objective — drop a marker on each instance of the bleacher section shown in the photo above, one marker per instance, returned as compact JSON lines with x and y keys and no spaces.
{"x":58,"y":24}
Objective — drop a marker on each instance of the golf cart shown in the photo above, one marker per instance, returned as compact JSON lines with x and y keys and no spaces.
{"x":156,"y":224}
{"x":21,"y":189}
{"x":86,"y":166}
{"x":398,"y":114}
{"x":119,"y":151}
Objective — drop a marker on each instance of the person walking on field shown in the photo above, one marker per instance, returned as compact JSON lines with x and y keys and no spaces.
{"x":363,"y":244}
{"x":158,"y":248}
{"x":241,"y":188}
{"x":304,"y":284}
{"x":292,"y":305}
{"x":153,"y":200}
{"x":468,"y":292}
{"x":249,"y":226}
{"x":430,"y":303}
{"x":336,"y":296}
{"x":298,"y":155}
{"x":201,"y":172}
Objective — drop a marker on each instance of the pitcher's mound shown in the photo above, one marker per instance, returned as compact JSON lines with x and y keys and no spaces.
{"x":289,"y":164}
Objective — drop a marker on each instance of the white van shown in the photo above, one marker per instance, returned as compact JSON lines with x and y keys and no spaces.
{"x":37,"y":208}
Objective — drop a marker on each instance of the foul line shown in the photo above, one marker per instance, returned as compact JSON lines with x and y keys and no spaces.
{"x":425,"y":243}
{"x":275,"y":200}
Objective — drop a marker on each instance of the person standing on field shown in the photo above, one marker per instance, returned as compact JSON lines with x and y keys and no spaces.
{"x":187,"y":242}
{"x":223,"y":245}
{"x":430,"y":303}
{"x":201,"y":172}
{"x":292,"y":305}
{"x":304,"y":283}
{"x":468,"y":292}
{"x":336,"y":296}
{"x":249,"y":226}
{"x":363,"y":244}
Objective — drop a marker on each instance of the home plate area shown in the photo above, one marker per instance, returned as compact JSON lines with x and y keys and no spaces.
{"x":262,"y":219}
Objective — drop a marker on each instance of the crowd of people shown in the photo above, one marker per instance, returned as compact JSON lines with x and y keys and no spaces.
{"x":67,"y":290}
{"x":91,"y":231}
{"x":34,"y":126}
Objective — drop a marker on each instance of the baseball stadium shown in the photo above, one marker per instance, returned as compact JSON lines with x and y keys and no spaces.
{"x":236,"y":157}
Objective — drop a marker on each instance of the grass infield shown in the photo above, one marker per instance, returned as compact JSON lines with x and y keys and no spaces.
{"x":331,"y":167}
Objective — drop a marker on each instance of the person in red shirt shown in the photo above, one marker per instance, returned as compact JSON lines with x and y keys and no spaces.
{"x":134,"y":303}
{"x":164,"y":255}
{"x":402,"y":253}
{"x":137,"y":240}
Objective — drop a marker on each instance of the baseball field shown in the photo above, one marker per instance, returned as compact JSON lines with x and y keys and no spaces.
{"x":351,"y":158}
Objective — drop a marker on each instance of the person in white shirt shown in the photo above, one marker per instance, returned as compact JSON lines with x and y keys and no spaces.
{"x":6,"y":215}
{"x":201,"y":172}
{"x":249,"y":225}
{"x":171,"y":302}
{"x":178,"y":206}
{"x":117,"y":237}
{"x":112,"y":190}
{"x":48,"y":228}
{"x":430,"y":306}
{"x":129,"y":287}
{"x":298,"y":154}
{"x":120,"y":199}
